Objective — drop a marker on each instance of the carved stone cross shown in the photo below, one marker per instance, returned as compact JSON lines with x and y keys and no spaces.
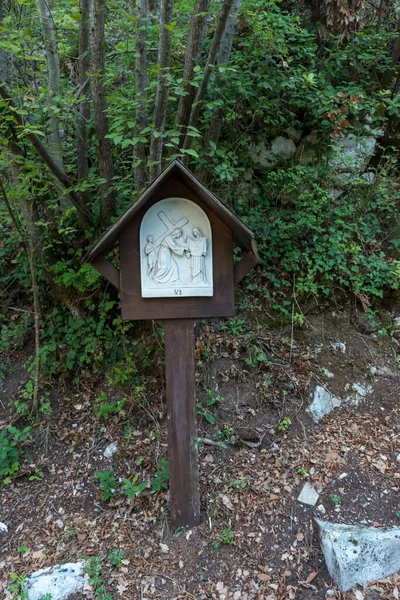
{"x":169,"y":224}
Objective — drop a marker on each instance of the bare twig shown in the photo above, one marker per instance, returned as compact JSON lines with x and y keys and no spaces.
{"x":28,"y":243}
{"x":209,"y":442}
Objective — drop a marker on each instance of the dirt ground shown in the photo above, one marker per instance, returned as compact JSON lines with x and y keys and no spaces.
{"x":256,"y":540}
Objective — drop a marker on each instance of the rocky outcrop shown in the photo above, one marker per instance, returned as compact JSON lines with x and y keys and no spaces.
{"x":280,"y":151}
{"x":358,"y":555}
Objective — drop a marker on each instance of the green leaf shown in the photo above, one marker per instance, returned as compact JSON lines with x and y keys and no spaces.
{"x":190,"y":151}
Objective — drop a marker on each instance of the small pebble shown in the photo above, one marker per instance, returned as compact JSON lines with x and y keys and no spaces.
{"x":110,"y":450}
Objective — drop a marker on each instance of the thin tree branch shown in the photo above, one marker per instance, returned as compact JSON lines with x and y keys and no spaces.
{"x":201,"y":91}
{"x":60,"y":174}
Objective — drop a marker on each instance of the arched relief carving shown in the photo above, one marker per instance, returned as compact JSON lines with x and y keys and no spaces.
{"x":176,"y":250}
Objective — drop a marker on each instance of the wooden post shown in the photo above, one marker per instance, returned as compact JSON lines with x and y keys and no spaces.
{"x":182,"y":422}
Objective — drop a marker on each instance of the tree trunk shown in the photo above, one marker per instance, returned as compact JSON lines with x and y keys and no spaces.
{"x":104,"y":156}
{"x":3,"y":55}
{"x":84,"y":105}
{"x":28,"y":241}
{"x":201,"y":91}
{"x":160,"y":110}
{"x":53,"y":66}
{"x":381,"y":11}
{"x":193,"y":53}
{"x":390,"y":73}
{"x":61,"y":175}
{"x":214,"y":130}
{"x":141,"y":9}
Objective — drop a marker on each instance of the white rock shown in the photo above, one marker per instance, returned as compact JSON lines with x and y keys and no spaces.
{"x":358,"y":555}
{"x":294,"y":134}
{"x":283,"y":147}
{"x":361,"y":389}
{"x":327,"y":373}
{"x":59,"y":581}
{"x":110,"y":450}
{"x":321,"y":508}
{"x":370,"y":176}
{"x":352,"y":153}
{"x":359,"y":392}
{"x":396,"y":323}
{"x":59,"y":523}
{"x":263,"y":157}
{"x":308,"y":495}
{"x":3,"y":528}
{"x":323,"y":403}
{"x":334,"y":193}
{"x":342,"y":476}
{"x":339,"y":346}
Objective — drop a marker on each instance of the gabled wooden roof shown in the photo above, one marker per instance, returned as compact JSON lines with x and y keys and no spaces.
{"x":241,"y":234}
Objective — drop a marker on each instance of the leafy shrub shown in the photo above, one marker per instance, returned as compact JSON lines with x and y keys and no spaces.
{"x":115,"y":557}
{"x":108,"y":485}
{"x":161,"y":478}
{"x":132,"y":488}
{"x":203,"y":409}
{"x":226,"y":536}
{"x":319,"y":242}
{"x":104,"y":408}
{"x":11,"y":441}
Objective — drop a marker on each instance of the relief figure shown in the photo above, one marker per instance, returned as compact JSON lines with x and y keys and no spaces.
{"x":166,"y":268}
{"x":196,"y":251}
{"x":150,"y":252}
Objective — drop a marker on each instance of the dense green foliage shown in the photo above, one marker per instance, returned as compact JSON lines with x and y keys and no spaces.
{"x":288,"y":69}
{"x":11,"y":452}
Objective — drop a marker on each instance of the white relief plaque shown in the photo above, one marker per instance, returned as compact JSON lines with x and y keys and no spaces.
{"x":176,"y":250}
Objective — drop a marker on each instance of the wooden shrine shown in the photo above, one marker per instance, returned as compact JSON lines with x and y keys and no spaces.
{"x":176,"y":265}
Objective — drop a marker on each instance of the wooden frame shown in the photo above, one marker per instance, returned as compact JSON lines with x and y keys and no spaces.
{"x":178,"y":315}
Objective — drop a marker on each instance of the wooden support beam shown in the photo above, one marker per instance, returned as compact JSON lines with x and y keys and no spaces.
{"x":111,"y":273}
{"x":182,"y":422}
{"x":248,"y":262}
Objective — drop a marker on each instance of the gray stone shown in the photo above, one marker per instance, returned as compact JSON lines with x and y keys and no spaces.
{"x":283,"y":148}
{"x":334,"y":193}
{"x":262,"y":157}
{"x":370,"y":176}
{"x":306,"y":155}
{"x":294,"y":134}
{"x":313,"y":137}
{"x":110,"y":450}
{"x":358,"y":555}
{"x":60,"y":581}
{"x":327,"y":373}
{"x":309,"y":150}
{"x":321,"y":508}
{"x":396,"y":323}
{"x":352,"y":153}
{"x":323,"y":403}
{"x":359,"y":392}
{"x":308,"y":495}
{"x":339,"y":346}
{"x":3,"y":528}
